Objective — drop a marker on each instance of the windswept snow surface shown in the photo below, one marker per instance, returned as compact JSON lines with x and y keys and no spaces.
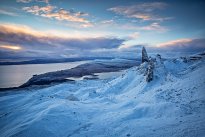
{"x":171,"y":105}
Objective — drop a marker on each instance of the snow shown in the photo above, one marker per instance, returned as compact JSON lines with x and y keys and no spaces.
{"x":172,"y":104}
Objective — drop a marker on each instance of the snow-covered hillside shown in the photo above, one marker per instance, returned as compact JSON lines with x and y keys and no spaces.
{"x":172,"y":104}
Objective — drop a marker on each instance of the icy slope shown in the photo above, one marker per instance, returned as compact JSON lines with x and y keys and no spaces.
{"x":172,"y":104}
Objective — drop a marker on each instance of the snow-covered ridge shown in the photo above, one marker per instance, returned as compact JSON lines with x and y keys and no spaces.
{"x":172,"y":103}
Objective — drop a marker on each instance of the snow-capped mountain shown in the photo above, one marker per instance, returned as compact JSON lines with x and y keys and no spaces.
{"x":163,"y":98}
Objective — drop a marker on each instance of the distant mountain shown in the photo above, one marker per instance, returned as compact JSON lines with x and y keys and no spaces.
{"x":59,"y":60}
{"x":52,"y":60}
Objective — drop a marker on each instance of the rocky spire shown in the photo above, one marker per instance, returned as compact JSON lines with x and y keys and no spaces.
{"x":150,"y":65}
{"x":150,"y":71}
{"x":144,"y":55}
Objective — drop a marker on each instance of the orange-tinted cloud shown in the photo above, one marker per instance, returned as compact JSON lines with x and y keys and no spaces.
{"x":182,"y":45}
{"x":20,"y":30}
{"x":30,"y":38}
{"x":39,"y":10}
{"x":175,"y":42}
{"x":10,"y":47}
{"x":61,"y":14}
{"x":35,"y":44}
{"x":16,"y":29}
{"x":65,"y":15}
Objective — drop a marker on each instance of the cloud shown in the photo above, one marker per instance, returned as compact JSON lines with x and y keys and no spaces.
{"x":134,"y":35}
{"x":154,"y":27}
{"x":19,"y":29}
{"x":28,"y":1}
{"x":185,"y":45}
{"x":143,"y":11}
{"x":45,"y":1}
{"x":65,"y":15}
{"x":39,"y":10}
{"x":17,"y":41}
{"x":10,"y":47}
{"x":175,"y":42}
{"x":178,"y":47}
{"x":44,"y":44}
{"x":107,"y":21}
{"x":59,"y":14}
{"x":5,"y":12}
{"x":174,"y":48}
{"x":24,"y":1}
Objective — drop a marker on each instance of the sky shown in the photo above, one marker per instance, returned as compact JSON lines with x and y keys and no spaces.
{"x":31,"y":29}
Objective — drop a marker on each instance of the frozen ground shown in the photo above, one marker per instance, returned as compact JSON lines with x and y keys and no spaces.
{"x":173,"y":104}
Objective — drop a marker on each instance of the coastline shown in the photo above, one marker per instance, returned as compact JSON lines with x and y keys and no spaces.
{"x":77,"y":72}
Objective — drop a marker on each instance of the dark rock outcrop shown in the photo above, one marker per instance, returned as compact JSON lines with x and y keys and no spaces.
{"x":71,"y":97}
{"x":150,"y":71}
{"x":144,"y":55}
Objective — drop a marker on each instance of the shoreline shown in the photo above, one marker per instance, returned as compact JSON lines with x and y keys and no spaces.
{"x":77,"y":72}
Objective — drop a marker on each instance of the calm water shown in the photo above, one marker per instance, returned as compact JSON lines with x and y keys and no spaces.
{"x":16,"y":75}
{"x":103,"y":75}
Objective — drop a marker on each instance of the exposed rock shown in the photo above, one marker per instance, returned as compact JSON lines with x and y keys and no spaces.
{"x":195,"y":57}
{"x":150,"y":71}
{"x":144,"y":55}
{"x":184,"y":59}
{"x":159,"y":56}
{"x":71,"y":97}
{"x":158,"y":59}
